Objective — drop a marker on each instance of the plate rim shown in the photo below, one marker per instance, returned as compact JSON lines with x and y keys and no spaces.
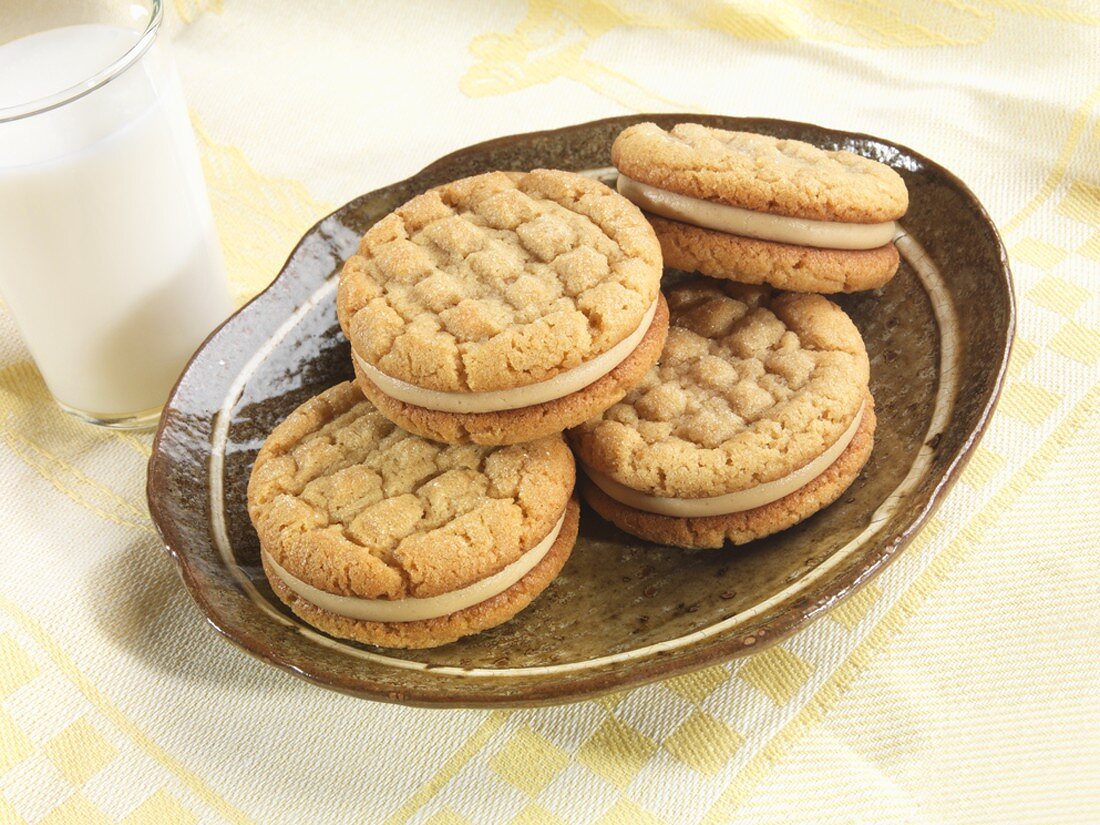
{"x":589,"y":685}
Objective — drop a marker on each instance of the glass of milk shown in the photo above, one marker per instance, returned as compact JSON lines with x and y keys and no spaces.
{"x":109,"y":262}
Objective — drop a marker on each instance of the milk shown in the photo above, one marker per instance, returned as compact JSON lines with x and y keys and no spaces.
{"x":108,"y":257}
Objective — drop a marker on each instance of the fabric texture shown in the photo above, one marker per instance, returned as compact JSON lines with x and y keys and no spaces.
{"x":960,"y":686}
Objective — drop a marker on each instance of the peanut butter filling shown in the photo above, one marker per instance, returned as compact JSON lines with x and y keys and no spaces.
{"x":413,"y":609}
{"x":559,"y":386}
{"x":749,"y":499}
{"x":751,"y":224}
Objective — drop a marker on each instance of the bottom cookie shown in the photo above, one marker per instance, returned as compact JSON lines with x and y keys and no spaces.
{"x":783,"y":266}
{"x":747,"y":525}
{"x":444,"y":629}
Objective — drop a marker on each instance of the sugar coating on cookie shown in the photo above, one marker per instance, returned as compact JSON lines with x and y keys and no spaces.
{"x":499,"y":281}
{"x":349,"y":504}
{"x":752,"y":386}
{"x":761,"y":173}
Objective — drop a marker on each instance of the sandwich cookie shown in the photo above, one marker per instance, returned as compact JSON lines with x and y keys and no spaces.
{"x":504,"y":307}
{"x":757,"y":416}
{"x":370,"y":533}
{"x":760,"y":210}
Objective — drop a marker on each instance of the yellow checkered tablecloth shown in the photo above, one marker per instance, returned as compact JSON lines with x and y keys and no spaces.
{"x":963,"y":685}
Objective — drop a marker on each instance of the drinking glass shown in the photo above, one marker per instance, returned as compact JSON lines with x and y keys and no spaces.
{"x":109,"y":262}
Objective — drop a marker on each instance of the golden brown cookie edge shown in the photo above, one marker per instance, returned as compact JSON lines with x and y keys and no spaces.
{"x":738,"y":528}
{"x":640,"y":153}
{"x":527,"y":423}
{"x":790,"y":267}
{"x":444,"y":629}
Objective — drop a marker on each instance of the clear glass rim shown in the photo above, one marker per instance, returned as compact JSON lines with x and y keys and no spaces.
{"x":96,"y":81}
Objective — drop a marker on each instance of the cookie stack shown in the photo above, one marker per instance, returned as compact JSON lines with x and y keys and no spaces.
{"x":432,"y":497}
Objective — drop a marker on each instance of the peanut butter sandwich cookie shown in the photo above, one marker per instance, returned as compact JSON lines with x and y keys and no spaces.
{"x":760,"y":210}
{"x":757,"y":416}
{"x":504,"y":307}
{"x":372,"y":534}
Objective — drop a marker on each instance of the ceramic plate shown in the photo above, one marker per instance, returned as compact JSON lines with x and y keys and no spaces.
{"x":622,"y":612}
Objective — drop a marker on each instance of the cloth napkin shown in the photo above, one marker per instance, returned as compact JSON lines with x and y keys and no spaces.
{"x":961,"y":685}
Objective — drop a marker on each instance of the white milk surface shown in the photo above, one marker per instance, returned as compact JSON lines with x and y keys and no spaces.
{"x":108,"y":257}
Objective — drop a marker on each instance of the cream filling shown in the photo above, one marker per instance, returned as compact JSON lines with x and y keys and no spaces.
{"x":415,"y":610}
{"x":559,"y":386}
{"x":737,"y":502}
{"x":746,"y":222}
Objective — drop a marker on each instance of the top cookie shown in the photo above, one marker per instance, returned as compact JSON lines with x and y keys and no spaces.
{"x":499,"y":280}
{"x":346,"y":501}
{"x":765,"y":174}
{"x":752,"y":385}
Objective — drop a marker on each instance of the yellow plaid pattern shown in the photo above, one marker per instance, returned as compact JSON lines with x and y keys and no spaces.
{"x":958,"y":686}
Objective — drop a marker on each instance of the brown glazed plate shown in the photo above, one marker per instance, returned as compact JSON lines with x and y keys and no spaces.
{"x":622,"y":612}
